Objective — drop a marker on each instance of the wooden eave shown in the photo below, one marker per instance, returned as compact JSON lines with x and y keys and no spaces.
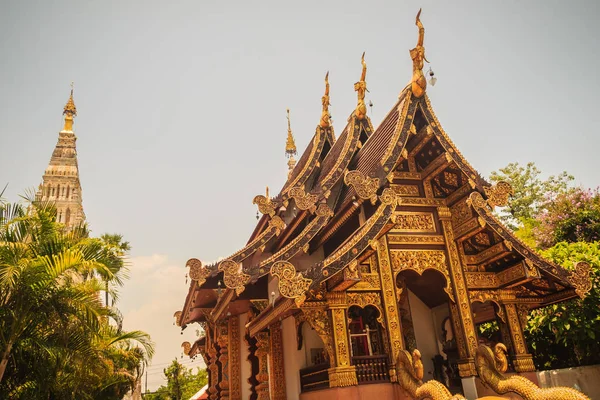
{"x":272,"y":313}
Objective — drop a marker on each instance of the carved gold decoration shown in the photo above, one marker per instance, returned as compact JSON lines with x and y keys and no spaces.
{"x":265,"y":204}
{"x":262,"y":353}
{"x":291,"y":284}
{"x":421,"y":260}
{"x":186,"y":346}
{"x":418,"y":82}
{"x":223,"y":341}
{"x":318,"y":319}
{"x":278,"y":391}
{"x":367,"y":282}
{"x":365,"y":187}
{"x":413,"y":222}
{"x":481,"y":280}
{"x":304,"y":201}
{"x":388,"y":288}
{"x":213,"y":368}
{"x":580,"y":279}
{"x":516,"y":332}
{"x":492,"y":364}
{"x":367,"y":299}
{"x":406,"y":190}
{"x":177,"y":317}
{"x":410,"y":377}
{"x":342,"y":376}
{"x":498,"y":194}
{"x":360,"y":88}
{"x":233,"y":277}
{"x":235,"y":382}
{"x":198,"y":273}
{"x":461,"y":311}
{"x":415,"y":239}
{"x":461,"y":213}
{"x":325,"y":117}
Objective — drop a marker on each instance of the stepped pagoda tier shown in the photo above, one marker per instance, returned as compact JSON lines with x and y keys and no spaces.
{"x":381,"y":241}
{"x":60,"y":182}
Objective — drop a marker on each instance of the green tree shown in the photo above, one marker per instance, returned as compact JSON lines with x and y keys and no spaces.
{"x":568,"y":333}
{"x":531,"y":194}
{"x":57,"y":339}
{"x":563,"y":224}
{"x":182,"y":383}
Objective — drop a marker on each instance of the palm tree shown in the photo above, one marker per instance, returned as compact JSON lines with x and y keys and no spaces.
{"x":56,"y":336}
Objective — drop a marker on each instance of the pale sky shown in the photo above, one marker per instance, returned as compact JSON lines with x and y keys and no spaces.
{"x":181,"y":107}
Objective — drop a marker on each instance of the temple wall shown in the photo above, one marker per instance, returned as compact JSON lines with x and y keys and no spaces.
{"x":293,"y":359}
{"x":245,"y":367}
{"x":422,"y":317}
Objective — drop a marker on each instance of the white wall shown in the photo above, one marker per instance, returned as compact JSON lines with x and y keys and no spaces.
{"x":424,"y":333}
{"x":440,"y":313}
{"x":245,"y":367}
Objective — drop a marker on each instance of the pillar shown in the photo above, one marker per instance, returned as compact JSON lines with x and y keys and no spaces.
{"x":460,"y":308}
{"x":390,"y":305}
{"x":262,"y":352}
{"x":522,"y":361}
{"x":278,"y":391}
{"x":213,"y":369}
{"x":223,"y":341}
{"x":341,"y":373}
{"x":235,"y":378}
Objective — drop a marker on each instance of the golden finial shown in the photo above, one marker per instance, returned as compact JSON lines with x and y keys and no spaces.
{"x":290,"y":144}
{"x":69,"y":112}
{"x":325,"y":117}
{"x":361,"y":87}
{"x":418,"y":82}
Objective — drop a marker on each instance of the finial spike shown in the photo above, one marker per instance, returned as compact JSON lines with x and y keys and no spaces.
{"x":325,"y":117}
{"x":361,"y":87}
{"x":418,"y":82}
{"x":69,"y":112}
{"x":290,"y":144}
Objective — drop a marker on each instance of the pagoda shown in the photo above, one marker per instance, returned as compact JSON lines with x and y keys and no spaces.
{"x":60,"y":182}
{"x":370,"y":271}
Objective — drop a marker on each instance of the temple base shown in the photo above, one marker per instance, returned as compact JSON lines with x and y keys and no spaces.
{"x":372,"y":391}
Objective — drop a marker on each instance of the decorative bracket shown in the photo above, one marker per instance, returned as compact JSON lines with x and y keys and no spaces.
{"x":304,"y":201}
{"x":198,"y":272}
{"x":365,"y":187}
{"x":498,"y":194}
{"x":264,"y":203}
{"x":291,"y":284}
{"x":233,"y":277}
{"x":580,"y":279}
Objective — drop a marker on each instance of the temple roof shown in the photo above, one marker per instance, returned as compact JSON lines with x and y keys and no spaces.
{"x":332,"y":179}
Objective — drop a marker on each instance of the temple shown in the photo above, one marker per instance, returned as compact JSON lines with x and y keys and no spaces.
{"x":60,"y":182}
{"x":371,"y":270}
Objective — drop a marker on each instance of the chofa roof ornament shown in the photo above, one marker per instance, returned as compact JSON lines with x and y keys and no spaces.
{"x":418,"y":82}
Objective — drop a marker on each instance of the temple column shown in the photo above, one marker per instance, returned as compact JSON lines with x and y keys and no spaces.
{"x":388,"y":291}
{"x":341,"y":373}
{"x":235,"y":382}
{"x":262,"y":352}
{"x":522,"y":361}
{"x":213,"y":369}
{"x":223,"y":341}
{"x":460,"y":308}
{"x":278,"y":391}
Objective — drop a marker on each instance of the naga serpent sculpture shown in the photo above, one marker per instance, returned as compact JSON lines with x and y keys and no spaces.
{"x":410,"y":375}
{"x":492,"y":364}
